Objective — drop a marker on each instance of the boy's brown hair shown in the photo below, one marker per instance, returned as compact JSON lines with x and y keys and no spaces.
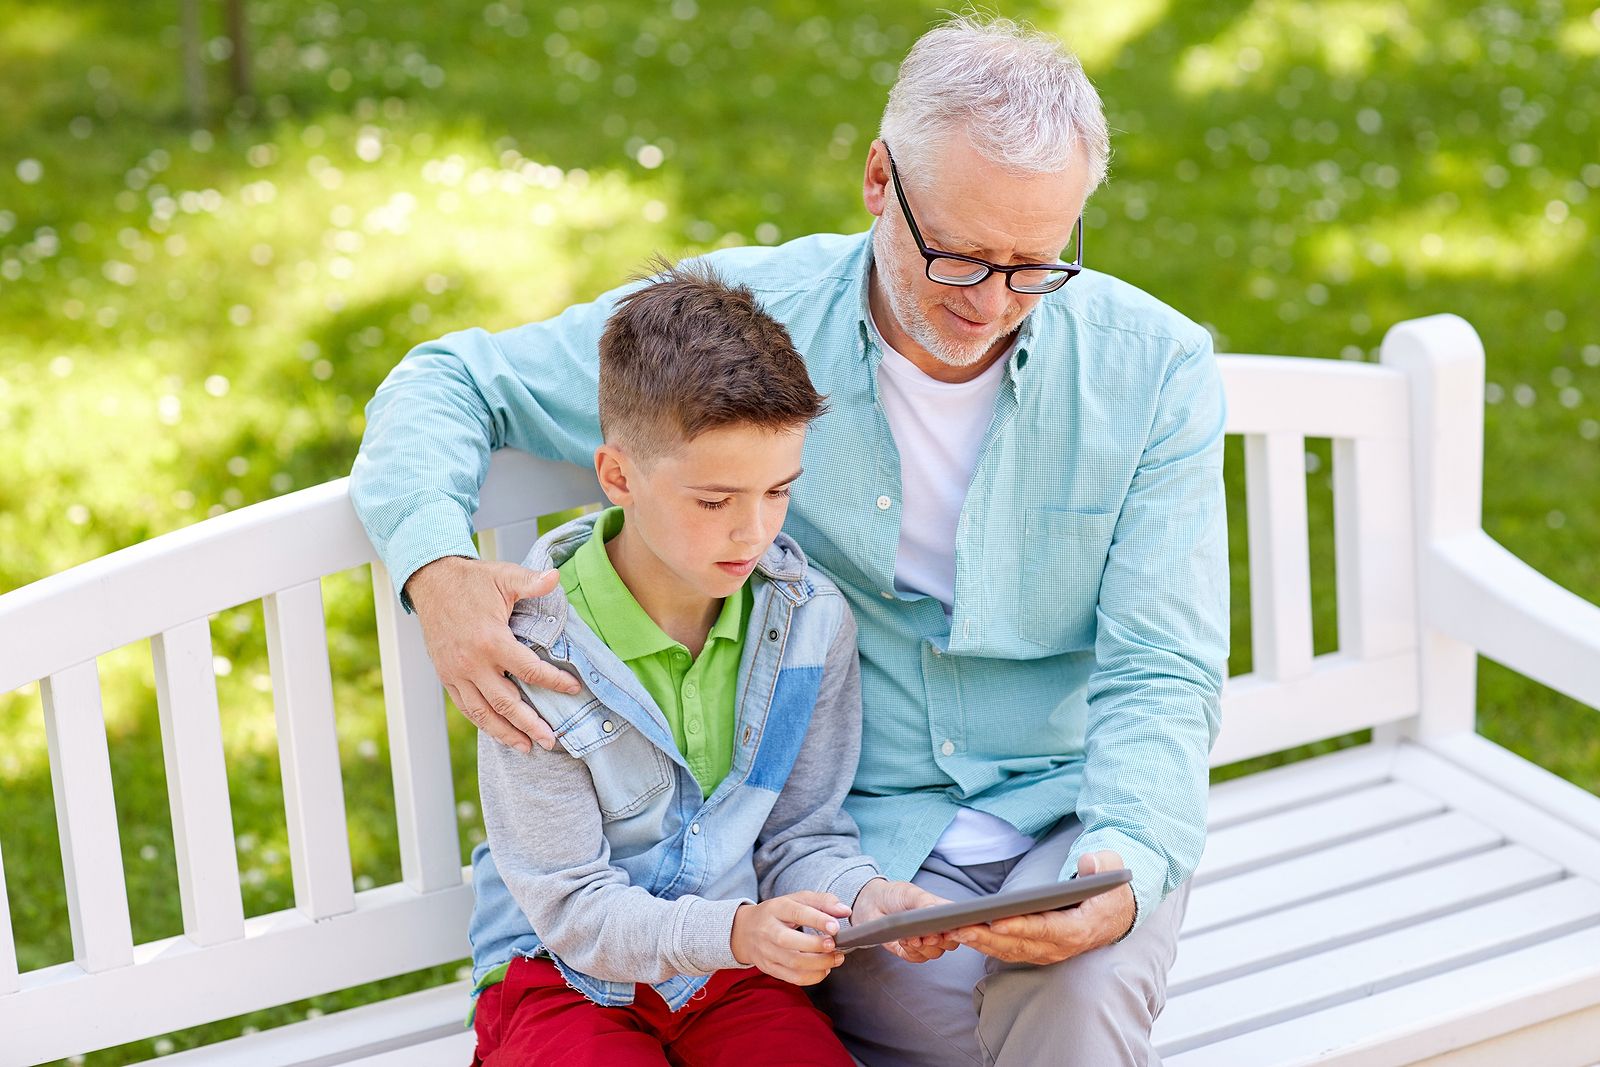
{"x":688,"y":353}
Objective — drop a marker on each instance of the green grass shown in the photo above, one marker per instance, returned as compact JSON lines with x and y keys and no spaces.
{"x":192,"y":321}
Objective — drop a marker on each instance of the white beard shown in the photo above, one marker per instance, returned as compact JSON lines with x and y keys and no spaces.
{"x":897,"y":289}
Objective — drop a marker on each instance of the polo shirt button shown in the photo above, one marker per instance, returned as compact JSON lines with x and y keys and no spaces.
{"x":690,"y":690}
{"x":695,"y":828}
{"x":694,"y":726}
{"x":948,"y":748}
{"x":608,"y":726}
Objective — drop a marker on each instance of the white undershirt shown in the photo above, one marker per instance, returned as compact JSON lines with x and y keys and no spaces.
{"x":939,"y":428}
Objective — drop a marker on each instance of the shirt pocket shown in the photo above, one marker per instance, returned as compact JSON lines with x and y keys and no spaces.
{"x":1058,"y":584}
{"x":628,"y":770}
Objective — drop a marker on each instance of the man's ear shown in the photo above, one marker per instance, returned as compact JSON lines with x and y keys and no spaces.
{"x":614,"y":470}
{"x":875,"y":181}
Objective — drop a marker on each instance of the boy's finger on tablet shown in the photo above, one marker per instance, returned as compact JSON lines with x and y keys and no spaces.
{"x":821,"y":901}
{"x":796,"y":913}
{"x":802,"y":942}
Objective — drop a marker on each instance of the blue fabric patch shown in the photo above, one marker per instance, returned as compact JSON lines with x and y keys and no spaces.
{"x":794,"y":698}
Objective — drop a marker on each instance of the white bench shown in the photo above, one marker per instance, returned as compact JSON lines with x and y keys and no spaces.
{"x":1428,"y":896}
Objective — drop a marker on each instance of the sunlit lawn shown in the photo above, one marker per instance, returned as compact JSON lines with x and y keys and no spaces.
{"x":191,"y":321}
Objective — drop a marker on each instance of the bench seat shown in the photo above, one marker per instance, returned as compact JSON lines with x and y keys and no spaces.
{"x":1394,"y":903}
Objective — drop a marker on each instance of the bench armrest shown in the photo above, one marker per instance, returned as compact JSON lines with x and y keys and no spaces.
{"x":1477,"y":592}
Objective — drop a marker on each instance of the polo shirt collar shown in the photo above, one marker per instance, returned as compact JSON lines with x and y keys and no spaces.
{"x":625,"y":627}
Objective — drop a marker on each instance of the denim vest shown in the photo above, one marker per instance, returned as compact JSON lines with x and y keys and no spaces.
{"x":668,"y":838}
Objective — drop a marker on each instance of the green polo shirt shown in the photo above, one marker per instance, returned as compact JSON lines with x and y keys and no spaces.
{"x":696,"y":695}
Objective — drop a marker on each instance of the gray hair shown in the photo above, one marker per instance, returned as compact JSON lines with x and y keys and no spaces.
{"x":1020,"y":97}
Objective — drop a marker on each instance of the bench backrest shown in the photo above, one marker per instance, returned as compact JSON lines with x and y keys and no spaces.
{"x":278,"y":551}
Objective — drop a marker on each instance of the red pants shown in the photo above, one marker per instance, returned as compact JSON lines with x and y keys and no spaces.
{"x":741,"y":1018}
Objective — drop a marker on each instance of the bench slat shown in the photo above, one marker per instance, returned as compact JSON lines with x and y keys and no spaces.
{"x":197,"y":784}
{"x":1281,"y":788}
{"x":419,"y":747}
{"x":509,"y":543}
{"x":1336,"y":869}
{"x":1310,"y":984}
{"x":1374,"y":565}
{"x":1495,"y":807}
{"x":1369,"y":911}
{"x":86,"y":817}
{"x":283,"y":957}
{"x":390,"y":1032}
{"x":1340,"y":695}
{"x":1286,"y":835}
{"x":1280,"y":554}
{"x":1428,"y":1017}
{"x":1313,"y":397}
{"x":457,"y":1048}
{"x":9,"y":982}
{"x":313,"y":786}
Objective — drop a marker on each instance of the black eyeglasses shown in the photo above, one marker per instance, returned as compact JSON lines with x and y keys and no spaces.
{"x":951,"y":268}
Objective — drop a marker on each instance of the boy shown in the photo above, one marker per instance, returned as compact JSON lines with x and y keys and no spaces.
{"x":703,"y":763}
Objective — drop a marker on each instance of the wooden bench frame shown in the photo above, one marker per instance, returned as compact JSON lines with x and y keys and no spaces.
{"x":1422,"y":591}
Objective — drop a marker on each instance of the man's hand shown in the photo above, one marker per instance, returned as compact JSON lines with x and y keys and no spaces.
{"x":881,"y":897}
{"x":464,"y":606}
{"x":769,"y":936}
{"x":1053,"y":936}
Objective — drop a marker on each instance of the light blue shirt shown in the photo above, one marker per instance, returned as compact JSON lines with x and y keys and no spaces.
{"x":1081,"y":667}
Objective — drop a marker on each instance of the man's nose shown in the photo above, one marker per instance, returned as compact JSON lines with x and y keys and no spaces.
{"x":990,"y":297}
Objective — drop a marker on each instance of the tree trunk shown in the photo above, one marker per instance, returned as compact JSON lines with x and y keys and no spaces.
{"x":239,"y":61}
{"x":194,"y":75}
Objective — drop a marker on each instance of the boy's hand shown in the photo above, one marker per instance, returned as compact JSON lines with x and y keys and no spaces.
{"x":881,"y":897}
{"x":769,"y":936}
{"x":464,"y":605}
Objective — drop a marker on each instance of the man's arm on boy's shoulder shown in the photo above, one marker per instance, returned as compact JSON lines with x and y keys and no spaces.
{"x":544,"y":826}
{"x":808,"y":841}
{"x":430,"y":430}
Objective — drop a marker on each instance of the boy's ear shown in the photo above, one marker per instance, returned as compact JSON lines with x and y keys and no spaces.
{"x":613,"y":469}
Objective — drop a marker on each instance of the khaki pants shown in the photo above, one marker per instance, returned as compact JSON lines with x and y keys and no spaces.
{"x":1094,"y":1010}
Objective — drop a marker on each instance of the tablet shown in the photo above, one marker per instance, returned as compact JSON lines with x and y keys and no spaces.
{"x":1002,"y":905}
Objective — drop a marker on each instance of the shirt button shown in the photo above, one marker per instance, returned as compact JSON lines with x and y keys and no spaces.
{"x":886,"y":595}
{"x":694,"y":828}
{"x":690,"y":690}
{"x":694,"y":726}
{"x":608,"y":726}
{"x":884,"y":503}
{"x":948,"y":748}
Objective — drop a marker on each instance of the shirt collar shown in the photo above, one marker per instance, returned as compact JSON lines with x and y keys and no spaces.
{"x":620,"y":622}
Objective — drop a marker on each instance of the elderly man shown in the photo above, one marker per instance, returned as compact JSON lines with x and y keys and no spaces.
{"x":1018,"y":487}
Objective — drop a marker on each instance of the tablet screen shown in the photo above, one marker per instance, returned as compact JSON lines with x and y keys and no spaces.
{"x":1001,"y":905}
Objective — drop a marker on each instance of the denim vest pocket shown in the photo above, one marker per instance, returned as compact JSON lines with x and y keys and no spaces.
{"x":1058,"y":584}
{"x":628,"y":769}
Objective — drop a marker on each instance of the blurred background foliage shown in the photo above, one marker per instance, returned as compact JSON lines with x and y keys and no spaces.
{"x":193,"y":316}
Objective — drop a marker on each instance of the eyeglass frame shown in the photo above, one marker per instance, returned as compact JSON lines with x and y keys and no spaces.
{"x":1070,"y":270}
